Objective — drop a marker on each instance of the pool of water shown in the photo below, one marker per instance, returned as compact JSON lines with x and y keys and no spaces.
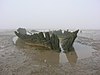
{"x":83,"y":51}
{"x":79,"y":51}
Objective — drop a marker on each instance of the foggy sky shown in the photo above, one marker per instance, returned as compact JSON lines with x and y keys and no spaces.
{"x":46,"y":14}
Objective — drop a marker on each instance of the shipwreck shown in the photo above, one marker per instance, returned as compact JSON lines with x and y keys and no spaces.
{"x":48,"y":40}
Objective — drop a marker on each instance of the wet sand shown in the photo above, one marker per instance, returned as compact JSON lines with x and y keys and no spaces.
{"x":25,"y":60}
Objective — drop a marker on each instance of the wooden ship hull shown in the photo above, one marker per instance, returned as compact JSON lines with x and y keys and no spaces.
{"x":28,"y":40}
{"x":47,"y":40}
{"x":39,"y":40}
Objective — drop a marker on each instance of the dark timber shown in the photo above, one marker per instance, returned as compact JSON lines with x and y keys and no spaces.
{"x":47,"y":39}
{"x":51,"y":42}
{"x":67,"y":42}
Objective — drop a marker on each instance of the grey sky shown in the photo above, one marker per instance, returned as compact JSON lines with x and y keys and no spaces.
{"x":48,"y":14}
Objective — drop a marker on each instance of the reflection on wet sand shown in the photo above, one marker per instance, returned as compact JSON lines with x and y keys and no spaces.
{"x":46,"y":56}
{"x":72,"y":56}
{"x":20,"y":43}
{"x":49,"y":57}
{"x":52,"y":57}
{"x":69,"y":56}
{"x":62,"y":58}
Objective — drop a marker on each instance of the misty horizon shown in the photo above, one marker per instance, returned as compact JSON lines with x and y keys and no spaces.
{"x":50,"y":14}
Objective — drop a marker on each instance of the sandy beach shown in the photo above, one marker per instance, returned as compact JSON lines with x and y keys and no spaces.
{"x":25,"y":60}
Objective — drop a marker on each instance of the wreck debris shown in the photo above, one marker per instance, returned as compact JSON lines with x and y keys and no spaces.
{"x":68,"y":41}
{"x":51,"y":42}
{"x":48,"y":40}
{"x":21,"y":31}
{"x":55,"y":42}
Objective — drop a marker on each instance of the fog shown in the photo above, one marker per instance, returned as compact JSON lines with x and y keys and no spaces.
{"x":50,"y":14}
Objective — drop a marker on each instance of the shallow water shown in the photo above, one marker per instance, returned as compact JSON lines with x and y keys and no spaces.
{"x":23,"y":60}
{"x":93,"y":34}
{"x":15,"y":39}
{"x":79,"y":51}
{"x":83,"y":51}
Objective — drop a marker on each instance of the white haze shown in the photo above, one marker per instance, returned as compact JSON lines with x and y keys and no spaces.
{"x":50,"y":14}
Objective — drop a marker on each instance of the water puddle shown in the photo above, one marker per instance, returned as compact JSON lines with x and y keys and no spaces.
{"x":83,"y":51}
{"x":79,"y":51}
{"x":62,"y":58}
{"x":15,"y":39}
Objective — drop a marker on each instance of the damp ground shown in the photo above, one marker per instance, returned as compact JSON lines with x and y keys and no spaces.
{"x":84,"y":59}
